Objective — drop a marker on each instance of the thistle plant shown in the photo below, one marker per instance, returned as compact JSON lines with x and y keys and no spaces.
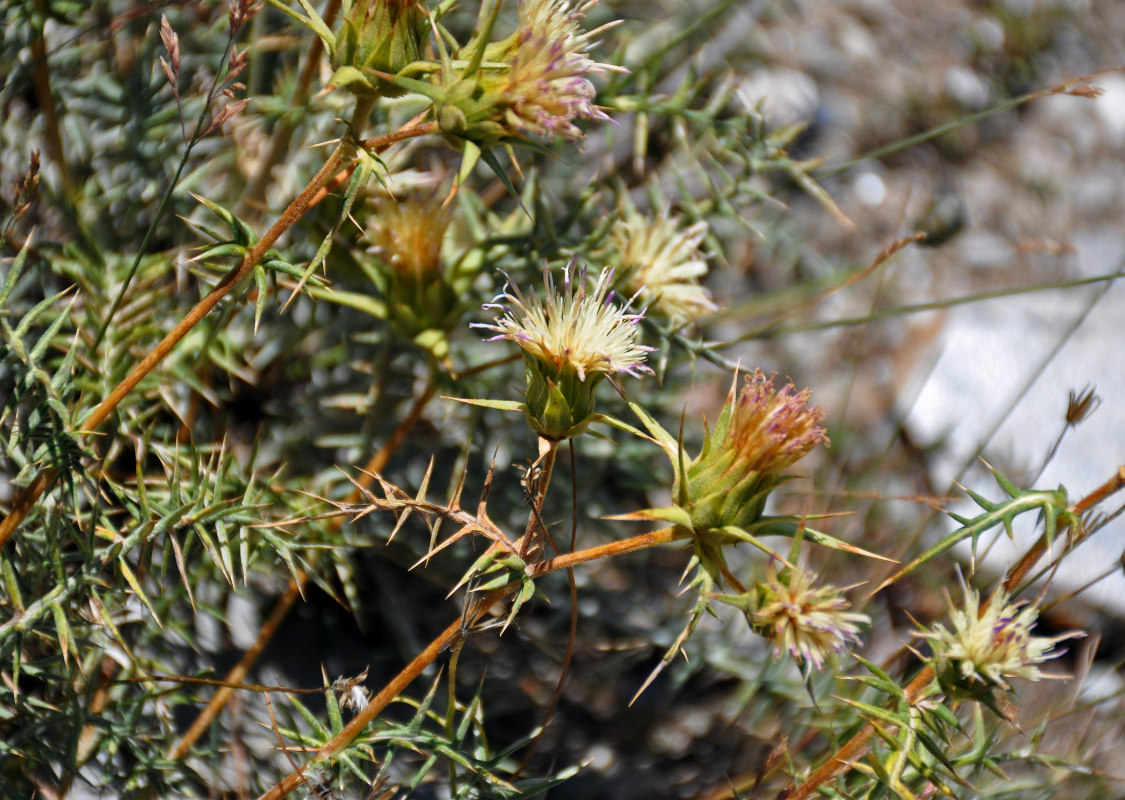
{"x":250,"y":544}
{"x":547,"y":86}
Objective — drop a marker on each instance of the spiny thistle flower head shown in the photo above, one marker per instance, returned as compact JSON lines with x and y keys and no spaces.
{"x":661,"y":260}
{"x":547,"y":86}
{"x":987,"y":646}
{"x":571,"y":339}
{"x":806,"y":620}
{"x":572,"y":327}
{"x":543,"y":88}
{"x":761,"y":433}
{"x":771,"y":429}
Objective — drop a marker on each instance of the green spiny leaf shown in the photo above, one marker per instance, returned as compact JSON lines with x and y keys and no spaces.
{"x":14,"y":272}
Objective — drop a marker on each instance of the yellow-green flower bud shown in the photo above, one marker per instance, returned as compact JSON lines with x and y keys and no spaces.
{"x":559,"y":405}
{"x":422,"y":305}
{"x":377,"y":36}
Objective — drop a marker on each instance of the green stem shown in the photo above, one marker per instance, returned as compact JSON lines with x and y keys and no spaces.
{"x":771,"y":332}
{"x":949,"y":127}
{"x":166,"y":199}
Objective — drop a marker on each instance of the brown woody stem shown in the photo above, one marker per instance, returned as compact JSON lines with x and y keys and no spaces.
{"x":642,"y":542}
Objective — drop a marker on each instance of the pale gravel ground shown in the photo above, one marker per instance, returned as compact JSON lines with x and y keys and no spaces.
{"x":1044,"y":197}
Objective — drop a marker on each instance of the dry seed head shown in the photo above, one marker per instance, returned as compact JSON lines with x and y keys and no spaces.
{"x":1086,"y":90}
{"x":239,"y":11}
{"x":1082,"y":404}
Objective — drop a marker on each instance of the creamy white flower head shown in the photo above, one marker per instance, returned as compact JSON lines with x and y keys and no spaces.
{"x":547,"y":85}
{"x":663,"y":261}
{"x":572,"y":326}
{"x":806,"y":620}
{"x":994,"y":644}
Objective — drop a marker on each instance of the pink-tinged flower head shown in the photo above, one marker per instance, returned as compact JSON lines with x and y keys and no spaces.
{"x":572,"y":326}
{"x":771,"y":429}
{"x":533,"y":85}
{"x":761,"y":433}
{"x":805,"y":620}
{"x":547,"y":85}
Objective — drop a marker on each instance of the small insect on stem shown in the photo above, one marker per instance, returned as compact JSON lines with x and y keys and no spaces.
{"x":531,"y":479}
